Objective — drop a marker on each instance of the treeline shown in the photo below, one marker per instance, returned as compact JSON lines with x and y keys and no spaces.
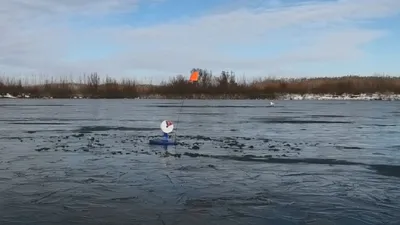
{"x":224,"y":85}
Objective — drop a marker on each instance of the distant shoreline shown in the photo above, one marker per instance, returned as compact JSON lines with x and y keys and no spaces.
{"x":225,"y":86}
{"x":282,"y":97}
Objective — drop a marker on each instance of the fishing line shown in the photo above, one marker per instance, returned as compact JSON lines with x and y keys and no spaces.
{"x":193,"y":79}
{"x":177,"y":121}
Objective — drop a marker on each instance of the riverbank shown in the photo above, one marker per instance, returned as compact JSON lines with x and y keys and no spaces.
{"x":225,"y":86}
{"x":346,"y":97}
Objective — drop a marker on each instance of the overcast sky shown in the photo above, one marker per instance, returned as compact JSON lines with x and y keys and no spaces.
{"x":156,"y":39}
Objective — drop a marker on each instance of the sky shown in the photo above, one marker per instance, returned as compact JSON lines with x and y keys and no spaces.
{"x":153,"y":40}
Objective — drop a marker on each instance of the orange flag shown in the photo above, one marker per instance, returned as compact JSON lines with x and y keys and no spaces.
{"x":194,"y":77}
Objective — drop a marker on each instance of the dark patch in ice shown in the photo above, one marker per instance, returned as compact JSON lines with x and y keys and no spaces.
{"x":294,"y":120}
{"x":43,"y":131}
{"x":193,"y":168}
{"x":208,"y":106}
{"x":36,"y":105}
{"x":384,"y":125}
{"x":327,"y":116}
{"x":348,"y":147}
{"x":202,"y":113}
{"x":90,"y":129}
{"x":39,"y":123}
{"x":387,"y":170}
{"x":45,"y":119}
{"x":42,"y":149}
{"x":259,"y":199}
{"x":269,"y":159}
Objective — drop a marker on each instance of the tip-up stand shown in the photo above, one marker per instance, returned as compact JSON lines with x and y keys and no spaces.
{"x":166,"y":137}
{"x":168,"y":127}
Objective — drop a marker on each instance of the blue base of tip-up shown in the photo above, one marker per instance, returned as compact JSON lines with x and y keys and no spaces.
{"x":162,"y":141}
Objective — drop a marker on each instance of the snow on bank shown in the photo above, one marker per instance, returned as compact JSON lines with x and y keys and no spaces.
{"x":11,"y":96}
{"x":364,"y":97}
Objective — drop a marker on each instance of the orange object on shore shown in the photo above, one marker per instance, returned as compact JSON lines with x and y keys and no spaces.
{"x":194,"y":77}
